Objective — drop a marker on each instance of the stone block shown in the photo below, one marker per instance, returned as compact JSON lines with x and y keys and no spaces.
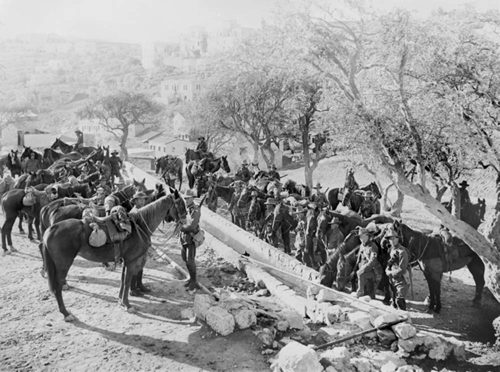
{"x":363,"y":365}
{"x":202,"y":303}
{"x":336,"y":354}
{"x":409,"y":368}
{"x":361,"y":319}
{"x":245,"y":318}
{"x":187,"y":313}
{"x":220,"y":320}
{"x":404,"y":330}
{"x":386,"y":336}
{"x":384,"y":360}
{"x":385,"y":319}
{"x":409,"y":345}
{"x":266,"y":336}
{"x":296,"y":357}
{"x":325,"y":296}
{"x":311,"y":292}
{"x":294,"y":319}
{"x":282,"y":325}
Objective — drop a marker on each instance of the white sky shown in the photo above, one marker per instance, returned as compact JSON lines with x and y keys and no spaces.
{"x":154,"y":20}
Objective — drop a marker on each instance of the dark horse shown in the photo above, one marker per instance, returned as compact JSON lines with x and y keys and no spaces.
{"x":14,"y":164}
{"x":170,"y":168}
{"x":65,"y":148}
{"x":194,"y":170}
{"x":473,"y":214}
{"x":435,"y":257}
{"x":293,"y":189}
{"x":352,"y":200}
{"x":63,"y":241}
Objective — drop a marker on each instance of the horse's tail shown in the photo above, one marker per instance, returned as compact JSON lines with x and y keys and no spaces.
{"x":50,"y":266}
{"x":179,"y":173}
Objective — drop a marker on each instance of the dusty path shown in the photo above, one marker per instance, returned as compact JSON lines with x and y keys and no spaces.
{"x":105,"y":337}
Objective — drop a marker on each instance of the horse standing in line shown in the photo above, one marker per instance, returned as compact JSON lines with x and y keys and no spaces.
{"x":63,"y":241}
{"x":170,"y":167}
{"x":14,"y":164}
{"x":66,"y":148}
{"x":436,"y":257}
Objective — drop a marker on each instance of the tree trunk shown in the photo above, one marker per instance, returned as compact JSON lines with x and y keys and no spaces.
{"x":308,"y":172}
{"x":440,"y":192}
{"x":487,"y":250}
{"x":123,"y":144}
{"x":397,"y":207}
{"x":255,"y":153}
{"x":456,"y":203}
{"x":385,"y":198}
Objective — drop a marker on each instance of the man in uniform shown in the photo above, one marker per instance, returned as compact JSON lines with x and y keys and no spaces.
{"x":139,"y":200}
{"x":32,"y":164}
{"x":233,"y":205}
{"x":318,"y":197}
{"x":300,"y":232}
{"x":244,"y":173}
{"x":270,"y":235}
{"x":464,"y":194}
{"x":369,"y":269}
{"x":202,"y":147}
{"x":79,"y":140}
{"x":397,"y":267}
{"x":311,"y":228}
{"x":116,"y":164}
{"x":273,"y":173}
{"x":189,"y":228}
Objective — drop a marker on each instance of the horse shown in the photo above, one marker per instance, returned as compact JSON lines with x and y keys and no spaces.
{"x":211,"y":165}
{"x":122,"y":197}
{"x":195,"y":155}
{"x":12,"y":205}
{"x":293,"y":189}
{"x":14,"y":164}
{"x":66,"y":149}
{"x":283,"y":222}
{"x":50,"y":156}
{"x":38,"y":177}
{"x":353,"y":200}
{"x":170,"y":168}
{"x":470,"y":213}
{"x":328,"y":236}
{"x":63,"y":241}
{"x":27,"y":154}
{"x":435,"y":257}
{"x":256,"y":216}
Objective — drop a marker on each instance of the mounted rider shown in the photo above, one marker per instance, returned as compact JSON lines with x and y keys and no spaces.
{"x":369,"y":206}
{"x":202,"y":148}
{"x":464,"y":193}
{"x":318,"y":197}
{"x":189,"y":229}
{"x":79,"y":140}
{"x":397,"y":269}
{"x":350,"y":184}
{"x":233,"y":205}
{"x":244,"y":173}
{"x":369,"y":268}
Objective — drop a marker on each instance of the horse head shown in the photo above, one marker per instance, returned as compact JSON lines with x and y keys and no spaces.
{"x":26,"y":153}
{"x":179,"y":210}
{"x":140,"y":186}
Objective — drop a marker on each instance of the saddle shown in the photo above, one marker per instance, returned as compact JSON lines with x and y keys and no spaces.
{"x":108,"y":230}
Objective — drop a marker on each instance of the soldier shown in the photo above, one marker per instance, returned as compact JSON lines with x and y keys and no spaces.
{"x":244,"y":173}
{"x":300,"y":232}
{"x":273,"y":173}
{"x":270,"y":235}
{"x":189,"y":228}
{"x":99,"y":197}
{"x":318,"y":197}
{"x":233,"y":205}
{"x":369,"y":206}
{"x":369,"y":269}
{"x":139,"y":200}
{"x":116,"y":164}
{"x":464,"y":194}
{"x":32,"y":164}
{"x":311,"y":228}
{"x":202,"y":147}
{"x":397,"y":267}
{"x":79,"y":140}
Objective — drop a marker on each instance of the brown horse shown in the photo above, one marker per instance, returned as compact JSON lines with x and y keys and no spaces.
{"x":63,"y":241}
{"x":66,"y":148}
{"x":170,"y":168}
{"x":436,"y":257}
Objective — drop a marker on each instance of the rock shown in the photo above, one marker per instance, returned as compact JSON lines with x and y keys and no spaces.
{"x":294,"y":319}
{"x":458,"y":348}
{"x":262,"y":293}
{"x":312,"y":291}
{"x":245,"y":318}
{"x":187,"y":313}
{"x":331,"y":369}
{"x":363,"y":365}
{"x":267,"y":352}
{"x":384,"y":360}
{"x":266,"y":336}
{"x":282,"y":325}
{"x":386,"y":337}
{"x":404,"y":330}
{"x":220,"y":320}
{"x":232,"y":305}
{"x":361,"y":319}
{"x":409,"y":345}
{"x":329,"y":314}
{"x":325,"y":296}
{"x":202,"y":303}
{"x":337,"y":354}
{"x":409,"y":369}
{"x":385,"y":319}
{"x":374,"y":314}
{"x":439,"y":348}
{"x":365,"y":298}
{"x":296,"y":357}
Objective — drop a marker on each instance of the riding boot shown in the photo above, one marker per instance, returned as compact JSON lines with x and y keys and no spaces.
{"x":192,"y":276}
{"x":401,"y":303}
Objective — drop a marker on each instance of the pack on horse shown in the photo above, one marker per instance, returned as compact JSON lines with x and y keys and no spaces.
{"x":170,"y":168}
{"x":63,"y":241}
{"x":435,"y":256}
{"x":353,"y":200}
{"x":215,"y":191}
{"x":13,"y":163}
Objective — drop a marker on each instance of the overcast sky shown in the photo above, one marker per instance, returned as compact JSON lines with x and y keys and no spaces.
{"x":154,"y":20}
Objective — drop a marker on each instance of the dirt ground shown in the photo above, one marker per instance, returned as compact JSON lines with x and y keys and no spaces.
{"x":34,"y":336}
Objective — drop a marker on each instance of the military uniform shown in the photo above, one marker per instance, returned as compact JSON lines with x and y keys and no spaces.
{"x":369,"y":269}
{"x":188,"y":246}
{"x":244,"y":174}
{"x":116,"y":164}
{"x":397,"y":267}
{"x":79,"y":140}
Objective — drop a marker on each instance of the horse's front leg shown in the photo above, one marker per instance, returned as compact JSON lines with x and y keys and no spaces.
{"x":21,"y":230}
{"x":30,"y":228}
{"x":126,"y":287}
{"x":122,"y":284}
{"x":430,"y":284}
{"x":37,"y":227}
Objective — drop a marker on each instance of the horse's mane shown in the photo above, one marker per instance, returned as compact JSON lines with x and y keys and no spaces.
{"x":150,"y":210}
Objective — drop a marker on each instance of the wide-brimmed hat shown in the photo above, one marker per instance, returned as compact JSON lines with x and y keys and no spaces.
{"x":78,"y":131}
{"x":271,"y":201}
{"x":114,"y":152}
{"x":201,"y":138}
{"x":318,"y":186}
{"x":335,"y":221}
{"x":464,"y":183}
{"x":139,"y":195}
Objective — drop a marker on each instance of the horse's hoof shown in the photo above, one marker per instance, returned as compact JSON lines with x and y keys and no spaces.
{"x":12,"y":249}
{"x":136,"y":293}
{"x":69,"y":318}
{"x":193,"y":286}
{"x":65,"y":287}
{"x":131,"y":310}
{"x":43,"y":273}
{"x":5,"y":253}
{"x":144,"y":289}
